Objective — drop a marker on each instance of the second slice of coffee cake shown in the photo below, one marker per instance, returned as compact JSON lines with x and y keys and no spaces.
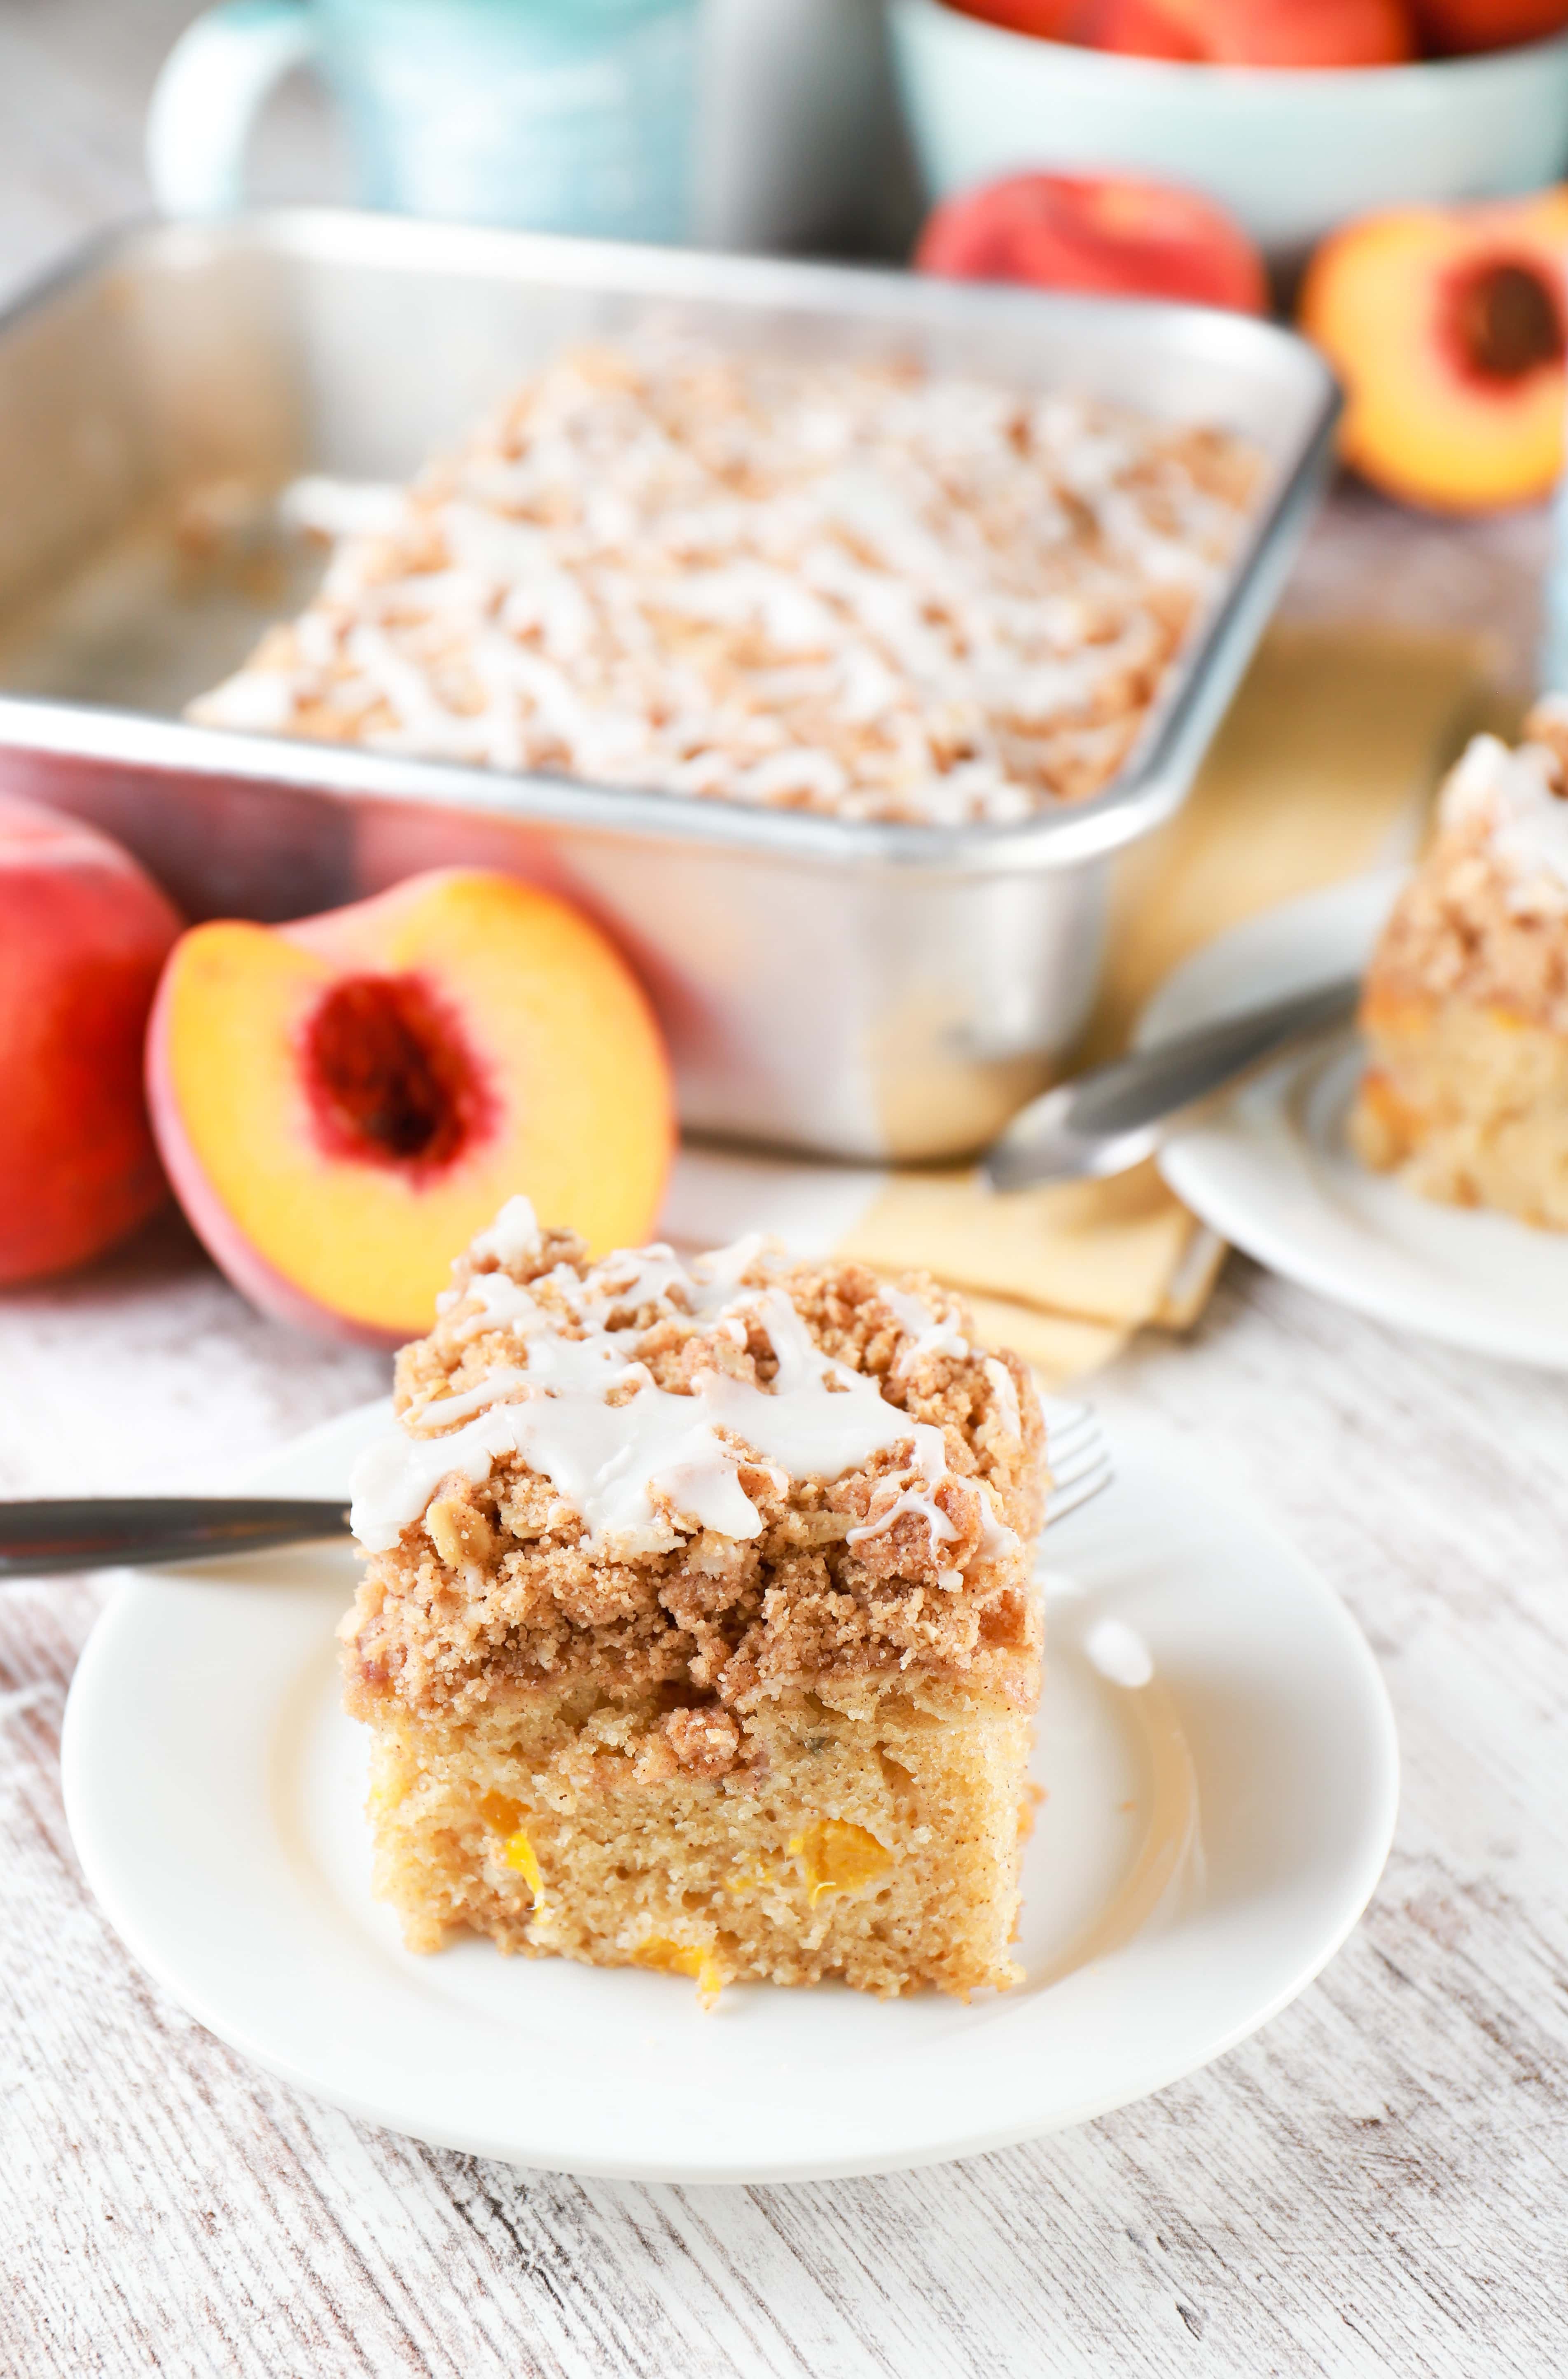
{"x":1464,"y":1007}
{"x":697,"y":1629}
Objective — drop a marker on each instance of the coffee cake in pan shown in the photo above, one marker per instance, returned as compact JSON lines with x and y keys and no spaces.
{"x":857,"y":589}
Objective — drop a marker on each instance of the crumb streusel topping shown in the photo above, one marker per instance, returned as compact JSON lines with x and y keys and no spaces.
{"x":847,"y":587}
{"x":729,"y":1476}
{"x":1485,"y":918}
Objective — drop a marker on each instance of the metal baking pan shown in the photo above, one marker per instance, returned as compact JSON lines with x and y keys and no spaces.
{"x":871,"y":991}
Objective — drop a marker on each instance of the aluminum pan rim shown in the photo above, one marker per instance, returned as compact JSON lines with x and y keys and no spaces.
{"x":1139,"y":798}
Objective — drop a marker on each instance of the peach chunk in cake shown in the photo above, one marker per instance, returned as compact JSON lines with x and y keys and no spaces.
{"x":1466,"y":1003}
{"x":697,"y":1629}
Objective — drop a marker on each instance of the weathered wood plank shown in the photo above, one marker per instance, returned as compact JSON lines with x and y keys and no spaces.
{"x":1376,"y":2183}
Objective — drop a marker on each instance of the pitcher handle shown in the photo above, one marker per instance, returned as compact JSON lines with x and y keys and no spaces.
{"x":213,"y":84}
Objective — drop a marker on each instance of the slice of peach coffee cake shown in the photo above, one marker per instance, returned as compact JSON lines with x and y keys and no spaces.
{"x":697,"y":1629}
{"x":1464,"y":1007}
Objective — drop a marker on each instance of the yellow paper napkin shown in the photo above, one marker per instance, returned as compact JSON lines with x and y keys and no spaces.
{"x":1324,"y":768}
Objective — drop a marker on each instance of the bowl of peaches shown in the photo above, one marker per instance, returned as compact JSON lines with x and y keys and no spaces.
{"x":1293,"y":114}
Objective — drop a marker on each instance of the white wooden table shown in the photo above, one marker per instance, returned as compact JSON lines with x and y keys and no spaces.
{"x":1377,"y":2183}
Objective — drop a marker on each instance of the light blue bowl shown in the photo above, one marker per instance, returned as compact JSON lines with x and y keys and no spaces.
{"x":1291,"y":152}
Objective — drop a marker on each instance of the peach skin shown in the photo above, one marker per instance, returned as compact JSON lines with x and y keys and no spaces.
{"x":342,"y":1103}
{"x":1048,"y":20}
{"x":1254,"y":33}
{"x":1117,"y":236}
{"x":83,"y":934}
{"x":1456,"y":27}
{"x":1449,"y":326}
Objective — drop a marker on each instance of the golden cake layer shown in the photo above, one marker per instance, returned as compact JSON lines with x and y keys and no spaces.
{"x":871,"y":1837}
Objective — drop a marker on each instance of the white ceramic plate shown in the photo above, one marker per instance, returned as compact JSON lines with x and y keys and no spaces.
{"x":1269,"y":1168}
{"x":1207,"y":1841}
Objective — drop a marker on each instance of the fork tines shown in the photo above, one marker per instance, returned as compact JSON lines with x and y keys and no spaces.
{"x":1078,"y":1457}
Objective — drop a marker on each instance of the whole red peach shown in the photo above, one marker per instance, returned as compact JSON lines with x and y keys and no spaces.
{"x":1255,"y":33}
{"x":1112,"y":236}
{"x":83,"y":936}
{"x":1455,"y":27}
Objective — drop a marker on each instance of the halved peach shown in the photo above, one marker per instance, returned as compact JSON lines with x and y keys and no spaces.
{"x":343,"y":1103}
{"x":1449,"y":326}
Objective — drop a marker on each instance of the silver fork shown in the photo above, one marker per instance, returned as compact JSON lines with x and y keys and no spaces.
{"x":122,"y":1531}
{"x":1077,"y":1453}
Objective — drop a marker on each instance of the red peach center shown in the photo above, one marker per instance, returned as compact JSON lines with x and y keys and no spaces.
{"x":1505,"y":319}
{"x":390,"y":1077}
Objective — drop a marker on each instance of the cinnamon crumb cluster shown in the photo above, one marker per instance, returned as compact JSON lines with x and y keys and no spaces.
{"x":1474,"y":923}
{"x":499,"y":1585}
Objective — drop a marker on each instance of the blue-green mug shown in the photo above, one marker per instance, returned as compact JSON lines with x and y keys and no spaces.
{"x":574,"y":115}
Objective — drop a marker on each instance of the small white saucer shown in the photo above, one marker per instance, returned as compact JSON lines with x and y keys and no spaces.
{"x":1269,"y":1168}
{"x":1208,"y":1838}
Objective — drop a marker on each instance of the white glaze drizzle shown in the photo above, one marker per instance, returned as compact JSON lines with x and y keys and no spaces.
{"x":929,"y":1334}
{"x":1513,"y":793}
{"x":335,"y":508}
{"x":443,"y":1407}
{"x":256,"y":702}
{"x":631,"y":1468}
{"x":1004,"y":1389}
{"x":513,"y":1236}
{"x":930,"y":1468}
{"x":931,"y":596}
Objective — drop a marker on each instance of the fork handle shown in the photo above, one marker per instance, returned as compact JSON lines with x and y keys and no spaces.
{"x":113,"y":1531}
